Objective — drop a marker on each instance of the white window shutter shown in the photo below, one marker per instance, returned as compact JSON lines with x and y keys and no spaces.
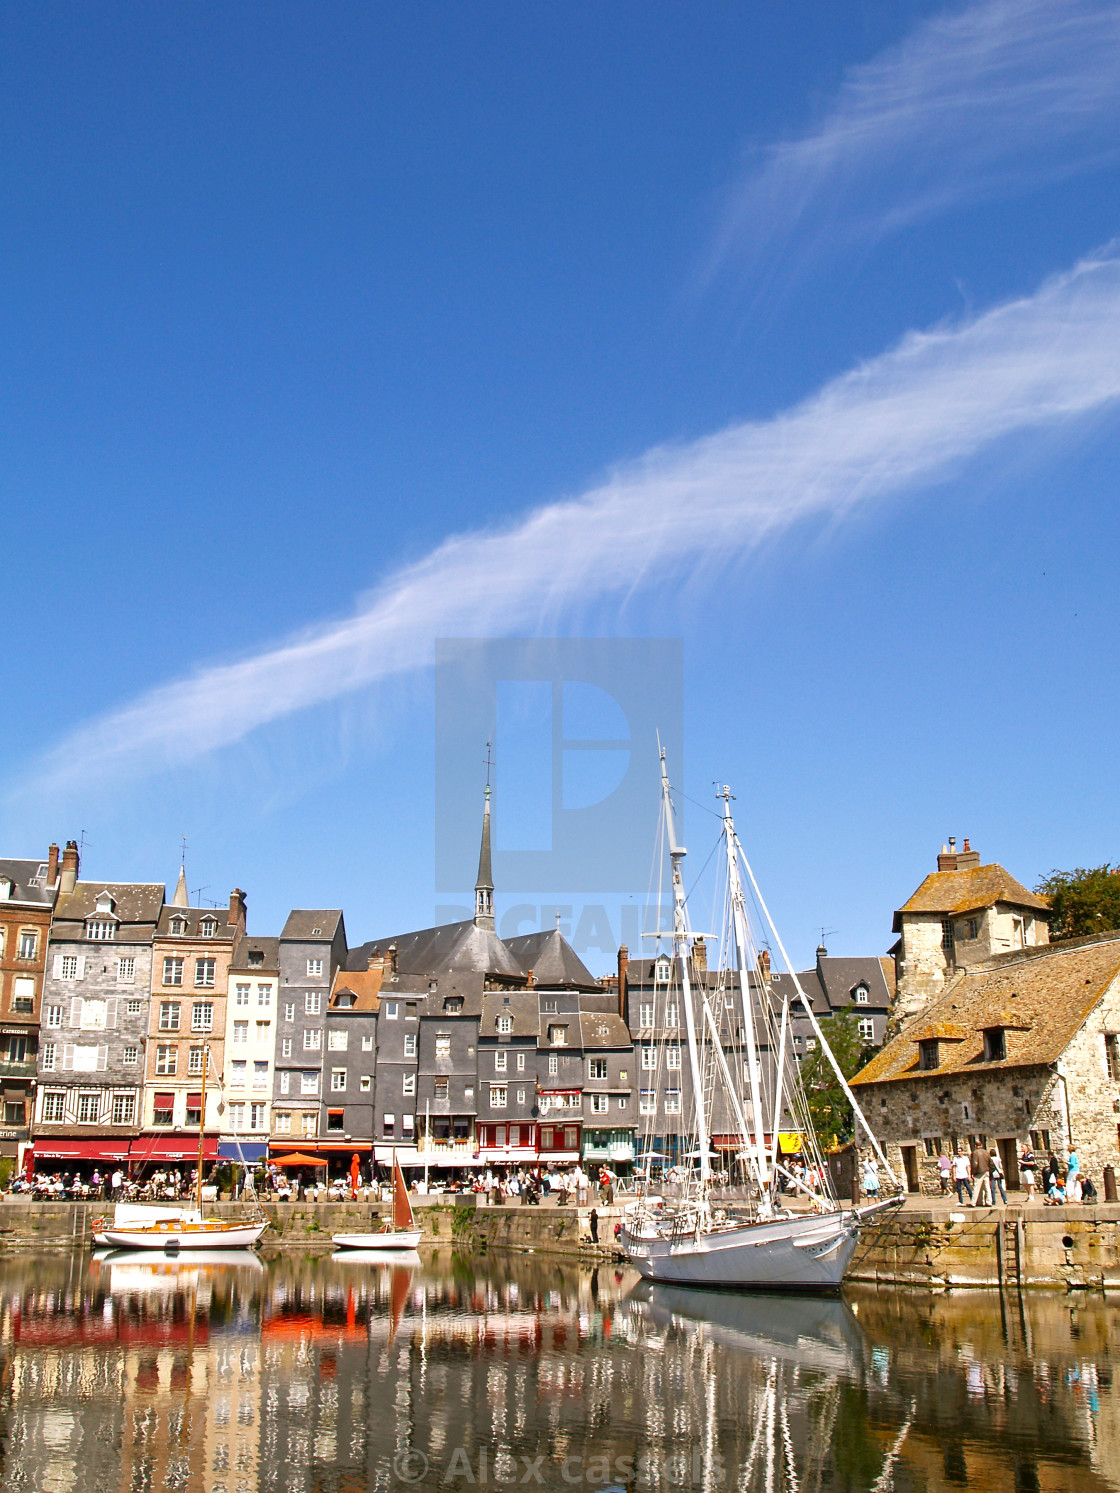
{"x":102,"y":1059}
{"x":81,"y":966}
{"x":68,"y":1055}
{"x":58,"y":966}
{"x":111,"y":1010}
{"x":76,"y":1011}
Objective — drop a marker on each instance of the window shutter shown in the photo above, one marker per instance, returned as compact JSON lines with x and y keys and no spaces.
{"x":81,"y":966}
{"x":111,"y":1010}
{"x":68,"y":1055}
{"x":102,"y":1059}
{"x":76,"y":1011}
{"x":58,"y":966}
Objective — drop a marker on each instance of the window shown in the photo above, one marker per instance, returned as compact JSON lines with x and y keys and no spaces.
{"x":130,"y":1056}
{"x":367,"y":1044}
{"x":505,"y":1025}
{"x":89,"y":1108}
{"x":178,"y":926}
{"x":309,"y":1083}
{"x":23,"y":994}
{"x":207,"y":928}
{"x":548,"y":1006}
{"x":256,"y":1117}
{"x":571,"y":1136}
{"x":172,"y":970}
{"x":409,"y":1083}
{"x":600,"y":1104}
{"x":202,"y":1016}
{"x":558,"y":1035}
{"x":499,"y":1062}
{"x":995,"y":1045}
{"x":313,"y":1002}
{"x":204,"y":974}
{"x":260,"y":1075}
{"x":671,"y":1017}
{"x":47,"y":1054}
{"x":661,"y":971}
{"x":441,"y":1088}
{"x":388,"y":1125}
{"x":126,"y":970}
{"x":553,"y":1065}
{"x":497,"y":1096}
{"x":672,"y":1101}
{"x":313,"y":1039}
{"x":928,"y":1056}
{"x":673,"y":1055}
{"x":169,"y":1016}
{"x":947,"y":936}
{"x":263,"y":1029}
{"x":408,"y":1124}
{"x":134,"y":1007}
{"x":337,"y":1041}
{"x":241,"y":995}
{"x":237,"y":1116}
{"x":1111,"y":1056}
{"x":861,"y":995}
{"x":622,"y":1100}
{"x":310,"y":1125}
{"x":124,"y":1109}
{"x":286,"y":1047}
{"x":1018,"y":933}
{"x":974,"y":927}
{"x":28,"y":944}
{"x":264,"y":995}
{"x":285,"y":1083}
{"x":364,"y":1083}
{"x":195,"y":1059}
{"x":649,"y":1058}
{"x":596,"y":1067}
{"x":336,"y":1119}
{"x":645,"y":1014}
{"x":101,"y":931}
{"x":647,"y":1102}
{"x":391,"y":1010}
{"x":546,"y":1137}
{"x":68,"y":967}
{"x":410,"y":1045}
{"x":283,"y":1122}
{"x":866,"y":1029}
{"x":314,"y":966}
{"x":240,"y":1032}
{"x":289,"y":1010}
{"x":443,"y":1047}
{"x":167,"y":1059}
{"x":237,"y":1071}
{"x":54,"y":1107}
{"x":54,"y":1016}
{"x":338,"y":1080}
{"x":94,"y":1014}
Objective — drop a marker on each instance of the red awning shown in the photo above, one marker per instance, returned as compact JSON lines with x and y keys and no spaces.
{"x":172,"y":1148}
{"x":164,"y":1101}
{"x":107,"y":1148}
{"x":194,"y":1101}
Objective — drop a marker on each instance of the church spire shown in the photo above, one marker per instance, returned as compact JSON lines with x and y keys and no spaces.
{"x":182,"y":896}
{"x":484,"y":886}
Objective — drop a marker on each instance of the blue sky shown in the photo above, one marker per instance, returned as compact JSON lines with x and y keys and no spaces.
{"x":332,"y":330}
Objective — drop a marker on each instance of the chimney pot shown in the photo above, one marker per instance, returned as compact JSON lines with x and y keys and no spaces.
{"x":237,"y":907}
{"x":700,"y":954}
{"x":623,"y":971}
{"x":52,"y":864}
{"x":68,"y":876}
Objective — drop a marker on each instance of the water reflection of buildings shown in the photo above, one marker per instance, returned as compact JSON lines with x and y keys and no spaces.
{"x":130,"y":1375}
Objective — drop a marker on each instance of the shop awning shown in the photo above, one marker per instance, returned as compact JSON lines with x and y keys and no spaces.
{"x":108,"y":1148}
{"x":172,"y":1148}
{"x":248,"y":1150}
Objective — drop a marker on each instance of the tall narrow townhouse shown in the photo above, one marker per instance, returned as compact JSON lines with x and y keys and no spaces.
{"x":347,"y":1119}
{"x":28,"y":890}
{"x":95,"y":1016}
{"x":191,"y":957}
{"x":312,"y":950}
{"x":253,"y":1004}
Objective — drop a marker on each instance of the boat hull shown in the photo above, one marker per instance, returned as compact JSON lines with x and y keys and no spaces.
{"x":178,"y":1236}
{"x":398,"y":1239}
{"x":811,"y":1253}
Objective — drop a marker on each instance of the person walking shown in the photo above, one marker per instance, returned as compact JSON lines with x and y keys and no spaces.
{"x":944,"y":1170}
{"x":1028,"y":1168}
{"x":594,"y":1222}
{"x":981,"y":1187}
{"x":962,"y":1174}
{"x":870,"y":1183}
{"x":995,"y":1176}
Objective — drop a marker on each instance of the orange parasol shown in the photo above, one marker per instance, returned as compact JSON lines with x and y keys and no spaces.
{"x":298,"y":1159}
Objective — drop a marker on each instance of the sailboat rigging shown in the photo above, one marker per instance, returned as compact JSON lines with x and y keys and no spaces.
{"x":398,"y":1233}
{"x":744,"y":1076}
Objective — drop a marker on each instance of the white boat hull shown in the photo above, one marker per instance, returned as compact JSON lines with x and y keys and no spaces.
{"x":809,"y":1253}
{"x":398,"y":1239}
{"x":142,"y":1215}
{"x":178,"y":1236}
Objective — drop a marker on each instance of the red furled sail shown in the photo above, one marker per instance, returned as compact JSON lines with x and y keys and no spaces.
{"x":402,"y":1208}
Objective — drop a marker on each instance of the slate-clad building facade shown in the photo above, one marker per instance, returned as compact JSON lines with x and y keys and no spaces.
{"x":28,"y":890}
{"x":312,"y":950}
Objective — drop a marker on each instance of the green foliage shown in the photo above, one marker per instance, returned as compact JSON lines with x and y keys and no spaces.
{"x":7,"y":1167}
{"x":1083,"y":901}
{"x":829,"y":1110}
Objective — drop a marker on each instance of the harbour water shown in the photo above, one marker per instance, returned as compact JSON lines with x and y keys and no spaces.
{"x":239,"y":1375}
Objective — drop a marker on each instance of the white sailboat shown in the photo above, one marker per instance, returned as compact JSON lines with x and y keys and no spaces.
{"x":758,"y":1242}
{"x":184,"y":1228}
{"x":399,"y":1233}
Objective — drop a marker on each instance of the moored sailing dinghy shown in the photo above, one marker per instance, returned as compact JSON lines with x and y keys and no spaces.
{"x":754,"y":1242}
{"x":400,"y":1233}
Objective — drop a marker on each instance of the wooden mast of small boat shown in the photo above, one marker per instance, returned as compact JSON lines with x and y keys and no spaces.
{"x":201,"y":1128}
{"x":403,"y":1220}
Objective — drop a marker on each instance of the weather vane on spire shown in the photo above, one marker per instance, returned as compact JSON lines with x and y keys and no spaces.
{"x":489,"y":761}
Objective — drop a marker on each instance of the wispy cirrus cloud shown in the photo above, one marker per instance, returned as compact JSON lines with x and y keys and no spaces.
{"x":975,"y":104}
{"x":886,"y":427}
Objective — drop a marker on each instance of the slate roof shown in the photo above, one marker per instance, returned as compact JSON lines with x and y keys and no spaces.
{"x":136,"y":902}
{"x":224,"y":931}
{"x":451,"y":948}
{"x":269,"y":947}
{"x":951,"y":893}
{"x":601,"y":1029}
{"x":522,"y":1006}
{"x":21,"y":874}
{"x":303,"y":921}
{"x":552,"y":959}
{"x":841,"y":976}
{"x":1041,"y":997}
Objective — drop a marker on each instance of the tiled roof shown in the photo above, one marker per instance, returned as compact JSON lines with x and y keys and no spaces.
{"x":951,"y":893}
{"x":1040,"y":997}
{"x":363,"y":984}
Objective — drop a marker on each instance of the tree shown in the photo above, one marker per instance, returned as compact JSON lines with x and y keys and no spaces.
{"x":829,"y":1109}
{"x":1083,"y":901}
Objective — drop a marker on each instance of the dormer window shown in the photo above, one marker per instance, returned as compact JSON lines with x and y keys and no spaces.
{"x":861,"y":995}
{"x":505,"y":1025}
{"x":178,"y":926}
{"x":557,"y":1035}
{"x":207,"y":928}
{"x":662,"y":971}
{"x":995,"y":1044}
{"x":5,"y":889}
{"x":347,"y":1001}
{"x":453,"y":1005}
{"x":928,"y":1055}
{"x":256,"y":957}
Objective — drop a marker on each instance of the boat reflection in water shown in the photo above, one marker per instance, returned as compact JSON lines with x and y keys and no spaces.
{"x":294,"y":1374}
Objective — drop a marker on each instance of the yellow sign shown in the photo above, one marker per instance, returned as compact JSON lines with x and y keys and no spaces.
{"x":789,"y":1141}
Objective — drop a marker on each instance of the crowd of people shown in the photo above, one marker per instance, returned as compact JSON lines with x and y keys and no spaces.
{"x":978,"y":1176}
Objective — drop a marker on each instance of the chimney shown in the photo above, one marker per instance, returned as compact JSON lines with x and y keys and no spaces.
{"x":700,"y":955}
{"x":237,"y":908}
{"x":393,"y":961}
{"x":764,"y":965}
{"x":529,"y":980}
{"x":52,"y":864}
{"x":375,"y":960}
{"x":68,"y":876}
{"x":967,"y":857}
{"x":947,"y":860}
{"x":623,"y":969}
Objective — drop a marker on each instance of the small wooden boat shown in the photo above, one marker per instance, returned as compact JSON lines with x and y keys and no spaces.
{"x":398,"y":1233}
{"x":140,"y":1215}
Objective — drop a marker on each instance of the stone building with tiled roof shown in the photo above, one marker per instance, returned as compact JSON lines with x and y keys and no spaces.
{"x":1021,"y":1048}
{"x":963,"y":913}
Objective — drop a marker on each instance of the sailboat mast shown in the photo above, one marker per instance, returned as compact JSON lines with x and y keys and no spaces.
{"x":202,"y":1126}
{"x":746,"y":963}
{"x":682,"y":950}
